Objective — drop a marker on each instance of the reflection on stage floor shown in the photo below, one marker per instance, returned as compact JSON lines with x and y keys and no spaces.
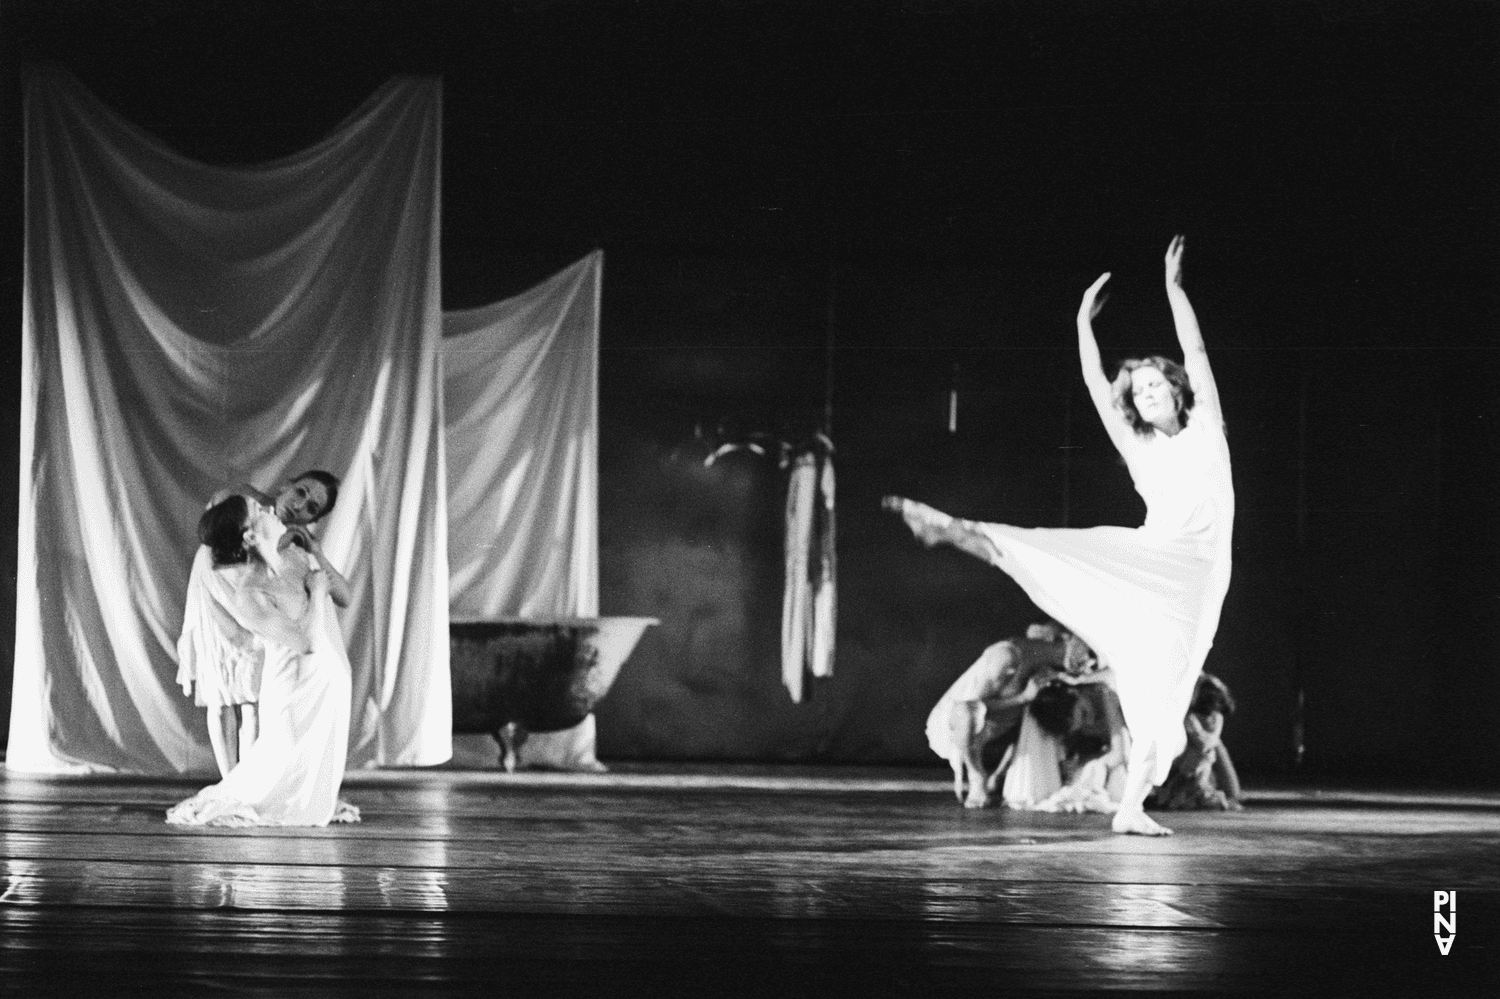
{"x":737,"y":881}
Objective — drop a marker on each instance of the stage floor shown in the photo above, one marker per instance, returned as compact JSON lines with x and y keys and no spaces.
{"x":702,"y":881}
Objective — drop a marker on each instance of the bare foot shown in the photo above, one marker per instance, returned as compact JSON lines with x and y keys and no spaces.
{"x":929,"y":525}
{"x":1138,"y":823}
{"x":977,"y":798}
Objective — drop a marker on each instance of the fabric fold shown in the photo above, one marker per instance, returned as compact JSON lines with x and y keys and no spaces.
{"x":809,"y":597}
{"x":521,"y":417}
{"x":187,"y":326}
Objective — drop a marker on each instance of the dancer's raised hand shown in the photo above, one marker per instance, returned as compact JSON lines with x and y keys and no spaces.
{"x":338,"y":586}
{"x":1093,"y":301}
{"x":1174,"y":262}
{"x":300,"y":536}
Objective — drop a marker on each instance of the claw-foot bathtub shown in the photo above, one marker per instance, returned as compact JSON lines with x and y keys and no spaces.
{"x":513,"y":676}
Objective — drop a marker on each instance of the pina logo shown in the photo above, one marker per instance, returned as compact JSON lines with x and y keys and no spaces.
{"x":1444,"y":922}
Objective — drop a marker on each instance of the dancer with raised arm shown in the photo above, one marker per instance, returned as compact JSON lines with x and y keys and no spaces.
{"x":1147,"y":599}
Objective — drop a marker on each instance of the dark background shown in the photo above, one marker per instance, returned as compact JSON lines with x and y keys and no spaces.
{"x":933,"y":184}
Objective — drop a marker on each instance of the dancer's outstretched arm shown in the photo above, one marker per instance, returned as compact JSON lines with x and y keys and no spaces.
{"x":1190,"y":337}
{"x":1093,"y":370}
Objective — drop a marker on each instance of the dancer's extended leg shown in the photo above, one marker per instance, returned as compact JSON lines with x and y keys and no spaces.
{"x":1132,"y":817}
{"x":934,"y":527}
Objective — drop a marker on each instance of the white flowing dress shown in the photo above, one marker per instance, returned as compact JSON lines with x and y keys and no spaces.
{"x":1147,"y":599}
{"x":291,"y":776}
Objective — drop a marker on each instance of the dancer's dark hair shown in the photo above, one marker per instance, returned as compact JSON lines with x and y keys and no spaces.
{"x":222,"y":529}
{"x":1212,"y":694}
{"x":1063,"y":711}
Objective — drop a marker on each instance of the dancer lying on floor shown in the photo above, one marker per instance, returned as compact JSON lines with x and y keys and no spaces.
{"x":218,"y":662}
{"x":1148,"y":598}
{"x":984,"y":706}
{"x":280,"y":594}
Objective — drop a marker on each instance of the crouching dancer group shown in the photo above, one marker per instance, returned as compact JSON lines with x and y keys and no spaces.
{"x":1146,"y":599}
{"x":1041,"y":715}
{"x":1048,"y":709}
{"x":261,"y":650}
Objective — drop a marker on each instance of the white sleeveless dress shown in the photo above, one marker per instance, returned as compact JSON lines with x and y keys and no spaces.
{"x":1146,"y":599}
{"x":291,"y":776}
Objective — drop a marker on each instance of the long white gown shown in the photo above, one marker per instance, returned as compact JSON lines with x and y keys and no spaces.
{"x":1147,"y":599}
{"x":291,"y":776}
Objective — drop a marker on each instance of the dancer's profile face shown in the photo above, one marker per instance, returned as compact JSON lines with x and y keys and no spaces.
{"x":1153,"y":396}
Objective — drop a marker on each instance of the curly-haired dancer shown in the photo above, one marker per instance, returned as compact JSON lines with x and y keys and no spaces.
{"x":1148,"y":598}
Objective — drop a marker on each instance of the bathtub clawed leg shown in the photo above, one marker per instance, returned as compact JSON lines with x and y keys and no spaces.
{"x":510,"y":737}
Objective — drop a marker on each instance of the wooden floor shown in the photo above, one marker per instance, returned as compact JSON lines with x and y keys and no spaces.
{"x":662,"y":882}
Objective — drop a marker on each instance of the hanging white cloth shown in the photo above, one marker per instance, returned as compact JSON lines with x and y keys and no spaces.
{"x":809,"y":596}
{"x":188,"y":326}
{"x":825,"y":590}
{"x":521,"y":411}
{"x":796,"y":599}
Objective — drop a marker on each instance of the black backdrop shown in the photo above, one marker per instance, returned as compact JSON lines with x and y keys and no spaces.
{"x":934,"y":183}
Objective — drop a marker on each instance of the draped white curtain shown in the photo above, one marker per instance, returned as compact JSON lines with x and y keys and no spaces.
{"x":809,"y":605}
{"x":186,"y":327}
{"x":520,"y":382}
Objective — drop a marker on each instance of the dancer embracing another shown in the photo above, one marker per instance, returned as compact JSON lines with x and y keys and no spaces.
{"x":219,"y":661}
{"x":281,"y":595}
{"x":1147,"y":599}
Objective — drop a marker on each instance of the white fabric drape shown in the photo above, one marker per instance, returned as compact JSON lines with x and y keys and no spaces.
{"x":189,"y":326}
{"x":520,"y":382}
{"x":809,"y":596}
{"x":796,"y":598}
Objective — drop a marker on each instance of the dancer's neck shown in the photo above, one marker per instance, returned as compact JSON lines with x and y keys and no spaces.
{"x":1169,"y":428}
